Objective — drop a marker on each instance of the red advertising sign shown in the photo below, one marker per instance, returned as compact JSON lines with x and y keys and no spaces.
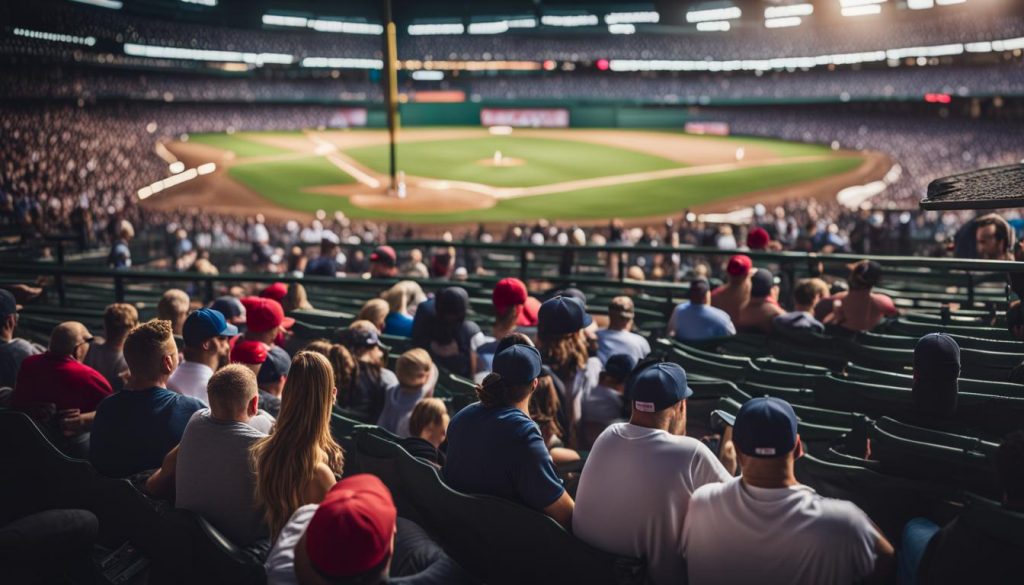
{"x":525,"y":117}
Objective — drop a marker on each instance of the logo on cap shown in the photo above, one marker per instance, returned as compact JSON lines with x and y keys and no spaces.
{"x":644,"y":406}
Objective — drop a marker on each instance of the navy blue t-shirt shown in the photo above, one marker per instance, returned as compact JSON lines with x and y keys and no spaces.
{"x":134,"y":429}
{"x":500,"y":452}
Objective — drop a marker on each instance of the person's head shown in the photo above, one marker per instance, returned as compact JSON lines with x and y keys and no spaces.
{"x":739,"y":268}
{"x":70,"y":339}
{"x":383,"y":262}
{"x":125,"y":230}
{"x":251,"y":354}
{"x":807,"y":293}
{"x":508,"y":298}
{"x":206,"y":333}
{"x":273,"y":372}
{"x":277,"y":291}
{"x":658,"y":393}
{"x":621,"y":313}
{"x":1015,"y":320}
{"x":233,"y":393}
{"x":173,"y":307}
{"x":363,"y":341}
{"x":766,"y":439}
{"x":429,"y":421}
{"x":560,"y":325}
{"x":865,"y":275}
{"x":761,"y":284}
{"x":264,"y":319}
{"x":329,"y":247}
{"x":616,"y":370}
{"x":296,"y":299}
{"x":232,"y":309}
{"x":375,"y":311}
{"x":700,"y":291}
{"x":404,"y":297}
{"x":351,"y":537}
{"x":1010,"y":470}
{"x":301,"y":437}
{"x":993,"y":237}
{"x":514,"y":338}
{"x":413,"y":368}
{"x":758,"y":239}
{"x":936,"y":375}
{"x":8,"y":314}
{"x":151,"y":354}
{"x":118,"y":320}
{"x":513,"y":377}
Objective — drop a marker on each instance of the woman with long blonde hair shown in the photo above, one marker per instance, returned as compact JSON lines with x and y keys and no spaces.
{"x":300,"y":461}
{"x":342,"y":362}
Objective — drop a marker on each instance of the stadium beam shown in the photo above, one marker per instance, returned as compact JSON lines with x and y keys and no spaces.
{"x":391,"y":92}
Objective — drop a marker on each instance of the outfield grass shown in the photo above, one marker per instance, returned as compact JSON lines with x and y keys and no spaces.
{"x":548,"y":160}
{"x":239,"y":143}
{"x":282,"y":181}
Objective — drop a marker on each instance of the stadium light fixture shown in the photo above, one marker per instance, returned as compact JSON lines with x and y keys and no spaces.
{"x":644,"y":17}
{"x":522,"y":23}
{"x":342,"y":63}
{"x":783,"y":22}
{"x":341,"y":26}
{"x":856,"y":3}
{"x":920,"y":4}
{"x":450,"y":28}
{"x":111,"y":4}
{"x":569,"y":20}
{"x":54,"y":37}
{"x":865,"y":10}
{"x":280,"y":20}
{"x":714,"y":26}
{"x":714,"y":14}
{"x":622,"y":29}
{"x":488,"y":28}
{"x":158,"y":52}
{"x":209,"y":3}
{"x":428,"y":75}
{"x":950,"y":2}
{"x":788,"y":11}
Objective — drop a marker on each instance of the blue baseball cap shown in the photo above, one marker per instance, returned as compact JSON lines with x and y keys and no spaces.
{"x":202,"y":324}
{"x":8,"y":304}
{"x":517,"y":365}
{"x":229,"y":306}
{"x":620,"y":366}
{"x":658,"y":386}
{"x":274,"y":367}
{"x":765,"y":427}
{"x":561,"y":316}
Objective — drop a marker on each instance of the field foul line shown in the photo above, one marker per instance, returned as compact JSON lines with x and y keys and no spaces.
{"x":330,"y":152}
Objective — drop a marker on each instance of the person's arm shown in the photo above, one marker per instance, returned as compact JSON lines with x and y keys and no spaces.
{"x":885,"y":561}
{"x":671,"y":329}
{"x":161,"y":484}
{"x":561,"y":510}
{"x":322,"y":481}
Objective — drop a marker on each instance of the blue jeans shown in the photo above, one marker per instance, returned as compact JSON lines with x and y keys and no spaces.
{"x":916,"y":536}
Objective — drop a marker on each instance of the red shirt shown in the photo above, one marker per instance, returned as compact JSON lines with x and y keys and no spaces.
{"x":45,"y":378}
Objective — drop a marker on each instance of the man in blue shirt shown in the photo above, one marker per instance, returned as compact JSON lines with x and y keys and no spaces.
{"x":134,"y":429}
{"x":495,"y":448}
{"x":696,"y":319}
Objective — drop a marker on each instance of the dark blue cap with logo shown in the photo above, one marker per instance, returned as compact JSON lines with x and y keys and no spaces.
{"x":8,"y":304}
{"x":658,"y":386}
{"x":561,"y":316}
{"x":202,"y":324}
{"x":275,"y":367}
{"x":517,"y":365}
{"x":765,"y":427}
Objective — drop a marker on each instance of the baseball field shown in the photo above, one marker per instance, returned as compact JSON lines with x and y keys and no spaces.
{"x":460,"y":175}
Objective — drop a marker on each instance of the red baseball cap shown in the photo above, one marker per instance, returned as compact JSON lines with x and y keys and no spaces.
{"x":384,"y":255}
{"x":249,"y":352}
{"x":353,"y":529}
{"x":263,"y":314}
{"x":510,"y":292}
{"x":758,"y":239}
{"x":277,"y":291}
{"x":739,"y":265}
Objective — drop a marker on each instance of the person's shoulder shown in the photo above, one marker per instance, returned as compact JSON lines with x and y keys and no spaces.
{"x":710,"y":492}
{"x":388,"y":378}
{"x":837,"y":512}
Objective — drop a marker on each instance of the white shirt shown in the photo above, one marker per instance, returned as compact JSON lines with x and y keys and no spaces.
{"x":280,"y":564}
{"x":613,"y":341}
{"x":737,"y":533}
{"x":633,"y":494}
{"x":586,"y":379}
{"x":190,"y":379}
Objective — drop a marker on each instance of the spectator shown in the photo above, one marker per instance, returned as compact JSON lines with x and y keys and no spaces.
{"x":859,"y":309}
{"x":415,"y":268}
{"x":513,"y":308}
{"x":961,"y":551}
{"x":173,"y":306}
{"x":696,"y":319}
{"x":993,"y":238}
{"x":417,"y":377}
{"x":107,"y":358}
{"x":265,"y":321}
{"x":494,"y":447}
{"x":270,"y":378}
{"x":232,"y":309}
{"x":326,"y":264}
{"x":356,"y":536}
{"x":300,"y":461}
{"x":251,"y":354}
{"x":758,"y":239}
{"x":644,"y":517}
{"x":757,"y":315}
{"x":1014,"y":321}
{"x":603,"y":404}
{"x":564,"y":347}
{"x":383,"y":263}
{"x":206,"y":334}
{"x":13,"y":350}
{"x":619,"y":336}
{"x":730,"y":527}
{"x":120,"y":257}
{"x":375,"y":311}
{"x":210,"y":471}
{"x":365,"y":397}
{"x":806,"y":295}
{"x":276,"y":291}
{"x":428,"y":428}
{"x":441,"y":327}
{"x":296,"y":299}
{"x":402,"y":300}
{"x":936,"y":376}
{"x":735,"y":293}
{"x":135,"y":429}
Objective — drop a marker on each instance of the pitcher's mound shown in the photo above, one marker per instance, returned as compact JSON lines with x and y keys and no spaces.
{"x":503,"y":162}
{"x":419,"y":200}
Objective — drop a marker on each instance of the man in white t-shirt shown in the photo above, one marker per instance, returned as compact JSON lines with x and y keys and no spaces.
{"x":619,"y":336}
{"x":764,"y":528}
{"x":634,"y":488}
{"x":206,"y":334}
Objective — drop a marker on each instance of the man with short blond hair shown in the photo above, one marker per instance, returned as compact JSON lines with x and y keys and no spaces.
{"x":136,"y":428}
{"x":173,"y":306}
{"x":107,"y":357}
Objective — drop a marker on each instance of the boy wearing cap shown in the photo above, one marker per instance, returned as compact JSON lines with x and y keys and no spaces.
{"x":619,"y":336}
{"x":495,"y":448}
{"x":735,"y":293}
{"x":696,"y":319}
{"x":764,"y":528}
{"x":206,"y":334}
{"x":644,"y":515}
{"x":13,"y":350}
{"x":757,"y":315}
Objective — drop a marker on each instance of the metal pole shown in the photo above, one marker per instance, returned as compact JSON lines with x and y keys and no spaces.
{"x":391,"y":90}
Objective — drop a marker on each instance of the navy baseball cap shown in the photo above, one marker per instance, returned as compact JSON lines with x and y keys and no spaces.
{"x":229,"y":306}
{"x":561,"y":316}
{"x":8,"y":304}
{"x":765,"y":427}
{"x":620,"y":365}
{"x":360,"y":337}
{"x":761,"y":283}
{"x":699,"y":287}
{"x":203,"y":324}
{"x":936,"y":374}
{"x":274,"y":367}
{"x":452,"y":303}
{"x":658,"y":386}
{"x":517,"y":365}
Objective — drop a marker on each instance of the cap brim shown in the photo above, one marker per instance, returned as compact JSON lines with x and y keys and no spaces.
{"x":229,"y":331}
{"x":687,"y":392}
{"x":287,"y":322}
{"x":587,"y":320}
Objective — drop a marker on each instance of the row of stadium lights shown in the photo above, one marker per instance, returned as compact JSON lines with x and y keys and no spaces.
{"x":118,"y":4}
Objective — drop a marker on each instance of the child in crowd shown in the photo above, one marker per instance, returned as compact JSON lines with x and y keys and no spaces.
{"x":417,"y":377}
